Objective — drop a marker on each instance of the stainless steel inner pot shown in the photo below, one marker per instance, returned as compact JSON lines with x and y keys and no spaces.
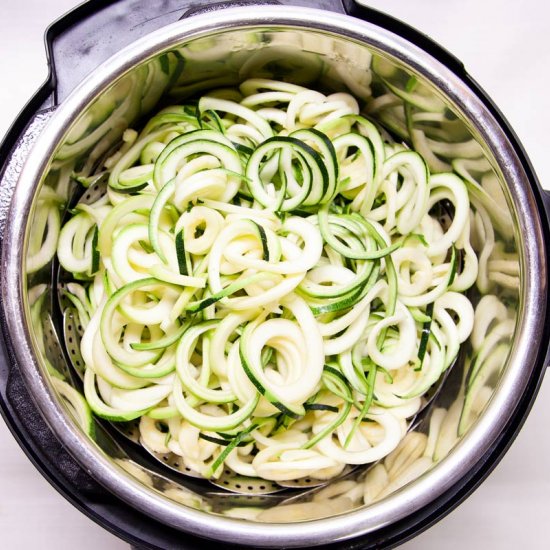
{"x":330,"y":52}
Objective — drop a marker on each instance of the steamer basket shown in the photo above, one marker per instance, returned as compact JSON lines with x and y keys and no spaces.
{"x":110,"y":477}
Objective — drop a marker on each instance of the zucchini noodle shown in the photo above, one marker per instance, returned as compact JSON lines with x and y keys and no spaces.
{"x":271,"y":285}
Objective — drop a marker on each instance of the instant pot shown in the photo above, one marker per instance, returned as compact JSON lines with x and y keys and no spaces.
{"x":128,"y":57}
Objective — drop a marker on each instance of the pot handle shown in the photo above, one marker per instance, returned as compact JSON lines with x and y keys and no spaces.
{"x":81,"y":40}
{"x":85,"y":37}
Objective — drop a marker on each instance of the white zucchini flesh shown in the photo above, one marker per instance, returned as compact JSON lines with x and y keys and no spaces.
{"x":268,"y":285}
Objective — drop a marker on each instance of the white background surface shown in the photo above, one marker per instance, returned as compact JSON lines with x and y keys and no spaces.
{"x":505,"y":45}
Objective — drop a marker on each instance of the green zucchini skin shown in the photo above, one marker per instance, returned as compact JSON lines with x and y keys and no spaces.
{"x":267,"y":284}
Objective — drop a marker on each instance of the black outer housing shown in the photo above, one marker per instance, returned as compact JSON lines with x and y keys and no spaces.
{"x":64,"y":41}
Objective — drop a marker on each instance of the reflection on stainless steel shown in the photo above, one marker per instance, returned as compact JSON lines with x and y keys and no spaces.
{"x":45,"y":230}
{"x":397,"y":88}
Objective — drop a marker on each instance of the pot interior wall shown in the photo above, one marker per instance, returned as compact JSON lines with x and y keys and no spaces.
{"x":411,"y":111}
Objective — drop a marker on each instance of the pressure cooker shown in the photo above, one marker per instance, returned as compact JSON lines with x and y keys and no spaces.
{"x":112,"y":52}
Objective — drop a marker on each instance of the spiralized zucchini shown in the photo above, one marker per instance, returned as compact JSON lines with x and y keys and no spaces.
{"x":271,"y":283}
